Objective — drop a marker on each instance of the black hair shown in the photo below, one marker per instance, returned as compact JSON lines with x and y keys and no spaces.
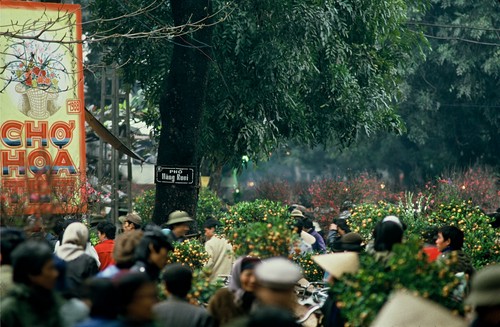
{"x":10,"y":238}
{"x":211,"y":223}
{"x":28,"y":259}
{"x":308,"y":224}
{"x":342,"y":224}
{"x":102,"y":294}
{"x":154,"y":236}
{"x":177,"y":279}
{"x":386,"y":235}
{"x":127,"y":286}
{"x":455,"y":235}
{"x":107,"y":228}
{"x":299,"y":225}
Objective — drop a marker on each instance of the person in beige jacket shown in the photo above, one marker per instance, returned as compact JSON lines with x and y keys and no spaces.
{"x":218,"y":248}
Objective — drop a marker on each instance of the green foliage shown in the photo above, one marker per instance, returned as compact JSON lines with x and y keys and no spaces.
{"x":260,"y":239}
{"x":190,"y":253}
{"x":144,"y":205}
{"x":265,"y":211}
{"x":480,"y":238}
{"x":209,"y":205}
{"x":316,"y":72}
{"x":362,"y":295}
{"x":310,"y":270}
{"x":364,"y":217}
{"x":202,"y":289}
{"x":261,"y":228}
{"x":94,"y":239}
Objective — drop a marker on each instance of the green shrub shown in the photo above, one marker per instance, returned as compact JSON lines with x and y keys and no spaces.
{"x":479,"y":237}
{"x":361,"y":296}
{"x":144,"y":205}
{"x":190,"y":253}
{"x":310,"y":270}
{"x":263,"y":240}
{"x":364,"y":217}
{"x":244,"y":213}
{"x":261,"y":228}
{"x":209,"y":205}
{"x":202,"y":289}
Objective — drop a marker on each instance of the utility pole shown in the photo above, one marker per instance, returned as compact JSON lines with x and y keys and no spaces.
{"x":110,"y":159}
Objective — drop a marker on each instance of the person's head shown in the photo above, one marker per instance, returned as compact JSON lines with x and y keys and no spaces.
{"x":297,"y":214}
{"x":10,"y":238}
{"x":242,"y":275}
{"x":153,"y":248}
{"x":106,"y":231}
{"x":298,"y":207}
{"x":210,"y":226}
{"x":449,"y":237}
{"x":351,"y":242}
{"x":388,"y":232}
{"x":308,"y":224}
{"x":342,"y":226}
{"x":101,"y":293}
{"x":346,"y":205}
{"x":132,"y":221}
{"x":484,"y":290}
{"x":177,"y":279}
{"x":77,"y":234}
{"x":298,"y":226}
{"x":276,"y":279}
{"x":124,"y":248}
{"x":136,"y":295}
{"x":179,"y":222}
{"x":33,"y":265}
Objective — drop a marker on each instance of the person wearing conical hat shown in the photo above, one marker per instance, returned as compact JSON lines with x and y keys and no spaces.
{"x":485,"y":297}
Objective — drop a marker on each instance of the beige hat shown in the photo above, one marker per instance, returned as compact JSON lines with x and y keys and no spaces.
{"x":133,"y":217}
{"x":178,"y":216}
{"x":337,"y":264}
{"x":485,"y":287}
{"x":277,"y":273}
{"x":308,"y":238}
{"x":297,"y":213}
{"x":404,"y":309}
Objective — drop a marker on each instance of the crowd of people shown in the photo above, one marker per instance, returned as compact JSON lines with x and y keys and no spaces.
{"x":60,"y":279}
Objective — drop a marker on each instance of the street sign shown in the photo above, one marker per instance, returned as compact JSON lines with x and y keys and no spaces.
{"x":175,"y":175}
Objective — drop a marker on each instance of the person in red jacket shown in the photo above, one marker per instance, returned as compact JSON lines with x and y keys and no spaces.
{"x":106,"y":233}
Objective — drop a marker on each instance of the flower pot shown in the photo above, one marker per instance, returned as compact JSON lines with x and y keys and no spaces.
{"x":38,"y":100}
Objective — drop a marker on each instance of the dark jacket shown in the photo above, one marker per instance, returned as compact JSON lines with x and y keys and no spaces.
{"x":30,"y":307}
{"x":178,"y":312}
{"x":458,"y":261}
{"x":150,"y":269}
{"x":78,"y":270}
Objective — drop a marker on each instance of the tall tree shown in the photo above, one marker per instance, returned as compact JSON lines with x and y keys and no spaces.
{"x":157,"y":45}
{"x":318,"y":72}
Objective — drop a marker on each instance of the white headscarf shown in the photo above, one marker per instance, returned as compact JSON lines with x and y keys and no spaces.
{"x":74,"y":241}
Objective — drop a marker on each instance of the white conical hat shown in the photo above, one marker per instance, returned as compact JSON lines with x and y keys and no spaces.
{"x":308,"y":238}
{"x":404,"y":309}
{"x":337,"y":264}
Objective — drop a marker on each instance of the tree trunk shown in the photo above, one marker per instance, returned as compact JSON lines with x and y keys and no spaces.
{"x":181,"y":107}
